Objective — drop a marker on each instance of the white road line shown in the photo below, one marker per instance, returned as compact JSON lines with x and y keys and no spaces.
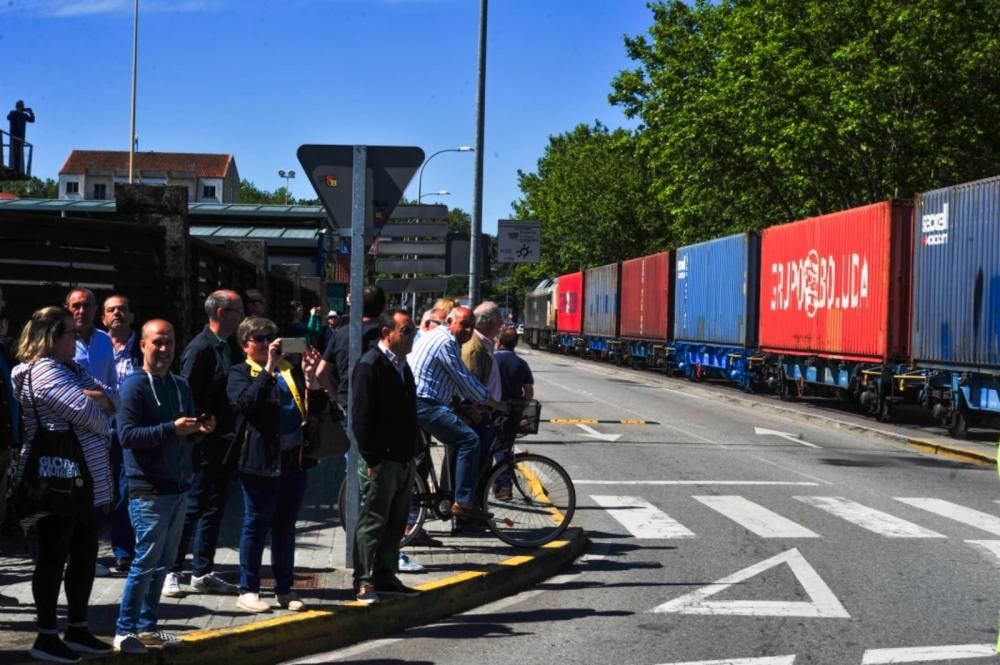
{"x":767,"y":660}
{"x":793,"y":483}
{"x":618,"y":406}
{"x":953,"y":511}
{"x":927,"y":654}
{"x":791,"y":470}
{"x":756,"y":518}
{"x":641,"y":518}
{"x":873,"y":520}
{"x":991,"y":546}
{"x":822,"y":602}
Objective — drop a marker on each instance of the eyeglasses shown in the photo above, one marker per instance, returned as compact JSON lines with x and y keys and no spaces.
{"x":409,"y":330}
{"x":261,"y":339}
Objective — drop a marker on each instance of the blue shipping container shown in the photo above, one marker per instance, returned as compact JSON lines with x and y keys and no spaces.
{"x":956,"y":277}
{"x":716,"y":291}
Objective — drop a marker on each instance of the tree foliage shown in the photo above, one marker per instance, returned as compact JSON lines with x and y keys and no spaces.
{"x":35,"y":188}
{"x":592,"y":198}
{"x":757,"y":112}
{"x":250,"y":193}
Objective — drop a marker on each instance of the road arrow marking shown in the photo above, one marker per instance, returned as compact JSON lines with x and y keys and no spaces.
{"x":593,"y":433}
{"x":760,"y":431}
{"x":822,"y":601}
{"x":769,"y":660}
{"x":927,"y":654}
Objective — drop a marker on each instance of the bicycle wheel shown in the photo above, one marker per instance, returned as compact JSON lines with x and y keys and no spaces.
{"x":418,"y":510}
{"x":530,"y":498}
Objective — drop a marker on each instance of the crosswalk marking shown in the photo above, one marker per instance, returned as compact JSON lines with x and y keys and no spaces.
{"x":953,"y":511}
{"x":756,"y":518}
{"x":873,"y":520}
{"x":991,"y":546}
{"x":927,"y":654}
{"x":641,"y":518}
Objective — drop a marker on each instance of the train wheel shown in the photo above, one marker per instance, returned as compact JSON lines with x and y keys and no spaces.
{"x":885,"y":411}
{"x":786,"y":390}
{"x":957,"y":425}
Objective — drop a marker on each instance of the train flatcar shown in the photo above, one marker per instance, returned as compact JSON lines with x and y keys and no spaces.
{"x":715,"y":308}
{"x":955,"y":333}
{"x":834,"y":303}
{"x":645,"y":312}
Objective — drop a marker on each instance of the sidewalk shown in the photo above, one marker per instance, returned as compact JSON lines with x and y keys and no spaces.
{"x":464,"y":573}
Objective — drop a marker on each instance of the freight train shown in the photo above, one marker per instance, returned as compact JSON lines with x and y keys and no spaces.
{"x":889,"y":303}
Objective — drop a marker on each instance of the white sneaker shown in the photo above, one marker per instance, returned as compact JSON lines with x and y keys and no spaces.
{"x":408,"y":565}
{"x":100,"y":570}
{"x":212,"y":583}
{"x":172,"y":586}
{"x":251,"y":602}
{"x":129,"y":643}
{"x":290,"y":601}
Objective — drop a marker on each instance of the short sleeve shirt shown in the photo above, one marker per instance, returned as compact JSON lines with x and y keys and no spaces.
{"x":514,"y":374}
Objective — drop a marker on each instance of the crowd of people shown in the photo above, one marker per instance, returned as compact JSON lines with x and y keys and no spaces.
{"x":154,"y":452}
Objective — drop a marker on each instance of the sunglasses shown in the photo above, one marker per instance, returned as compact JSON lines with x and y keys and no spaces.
{"x":261,"y":339}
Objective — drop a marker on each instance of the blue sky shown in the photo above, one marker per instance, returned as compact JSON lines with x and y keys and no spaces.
{"x":257,"y":78}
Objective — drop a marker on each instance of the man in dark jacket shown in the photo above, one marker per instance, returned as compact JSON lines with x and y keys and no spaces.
{"x":156,"y":419}
{"x":384,"y":419}
{"x":205,"y":364}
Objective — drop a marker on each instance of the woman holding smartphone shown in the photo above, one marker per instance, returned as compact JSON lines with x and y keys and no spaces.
{"x":269,"y":395}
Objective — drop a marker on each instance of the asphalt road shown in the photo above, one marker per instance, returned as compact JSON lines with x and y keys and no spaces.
{"x":735,"y":534}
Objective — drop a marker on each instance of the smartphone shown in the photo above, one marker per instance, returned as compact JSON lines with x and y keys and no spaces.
{"x":293,"y":345}
{"x":204,"y":418}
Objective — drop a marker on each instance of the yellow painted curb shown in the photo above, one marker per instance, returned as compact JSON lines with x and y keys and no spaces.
{"x":316,"y":631}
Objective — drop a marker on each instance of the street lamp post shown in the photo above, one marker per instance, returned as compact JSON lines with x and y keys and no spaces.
{"x":443,"y":192}
{"x":420,"y":176}
{"x":287,"y":175}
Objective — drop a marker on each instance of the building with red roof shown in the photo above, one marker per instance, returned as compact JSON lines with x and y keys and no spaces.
{"x":94,"y":174}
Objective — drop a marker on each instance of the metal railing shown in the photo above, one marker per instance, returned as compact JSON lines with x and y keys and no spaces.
{"x":15,"y":156}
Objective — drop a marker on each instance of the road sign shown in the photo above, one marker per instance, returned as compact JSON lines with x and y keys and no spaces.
{"x":519,"y":240}
{"x":388,"y":172}
{"x":425,"y":248}
{"x":822,"y":602}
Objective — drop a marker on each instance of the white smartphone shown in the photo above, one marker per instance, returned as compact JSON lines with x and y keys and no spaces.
{"x":293,"y":345}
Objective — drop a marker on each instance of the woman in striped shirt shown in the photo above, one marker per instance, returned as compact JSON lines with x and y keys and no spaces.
{"x":65,"y":397}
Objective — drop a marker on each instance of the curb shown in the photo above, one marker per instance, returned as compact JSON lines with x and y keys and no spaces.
{"x":316,"y":631}
{"x":941,"y":449}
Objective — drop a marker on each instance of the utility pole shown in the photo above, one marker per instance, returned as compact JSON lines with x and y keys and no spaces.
{"x":475,"y":244}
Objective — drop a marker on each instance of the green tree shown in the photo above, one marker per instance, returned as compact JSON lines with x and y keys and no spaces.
{"x":250,"y":193}
{"x":757,"y":112}
{"x":35,"y":188}
{"x":591,"y":194}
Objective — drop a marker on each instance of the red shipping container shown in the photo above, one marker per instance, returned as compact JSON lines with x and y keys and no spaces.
{"x":569,"y":320}
{"x":645,"y":297}
{"x":835,"y":286}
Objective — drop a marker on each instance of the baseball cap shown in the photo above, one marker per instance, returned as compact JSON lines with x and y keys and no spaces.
{"x":331,"y":313}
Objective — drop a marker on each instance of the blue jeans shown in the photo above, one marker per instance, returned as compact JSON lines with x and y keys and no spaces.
{"x":206,"y":506}
{"x":157,"y":521}
{"x":442,"y":423}
{"x":270,"y":505}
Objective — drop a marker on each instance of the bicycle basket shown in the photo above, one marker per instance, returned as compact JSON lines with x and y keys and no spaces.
{"x":531,"y":412}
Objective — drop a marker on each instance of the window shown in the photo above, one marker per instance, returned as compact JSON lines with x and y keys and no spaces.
{"x":72,"y":187}
{"x":100,"y":191}
{"x":208,"y":192}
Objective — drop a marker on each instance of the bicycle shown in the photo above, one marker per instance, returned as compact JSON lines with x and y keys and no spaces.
{"x":530,"y":498}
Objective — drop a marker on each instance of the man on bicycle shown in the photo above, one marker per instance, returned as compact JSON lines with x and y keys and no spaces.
{"x":440,"y":374}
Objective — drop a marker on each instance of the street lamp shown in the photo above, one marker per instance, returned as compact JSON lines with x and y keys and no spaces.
{"x":287,"y":175}
{"x":420,"y":177}
{"x":443,"y":192}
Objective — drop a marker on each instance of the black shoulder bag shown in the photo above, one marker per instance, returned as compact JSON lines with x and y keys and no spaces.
{"x":55,"y":479}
